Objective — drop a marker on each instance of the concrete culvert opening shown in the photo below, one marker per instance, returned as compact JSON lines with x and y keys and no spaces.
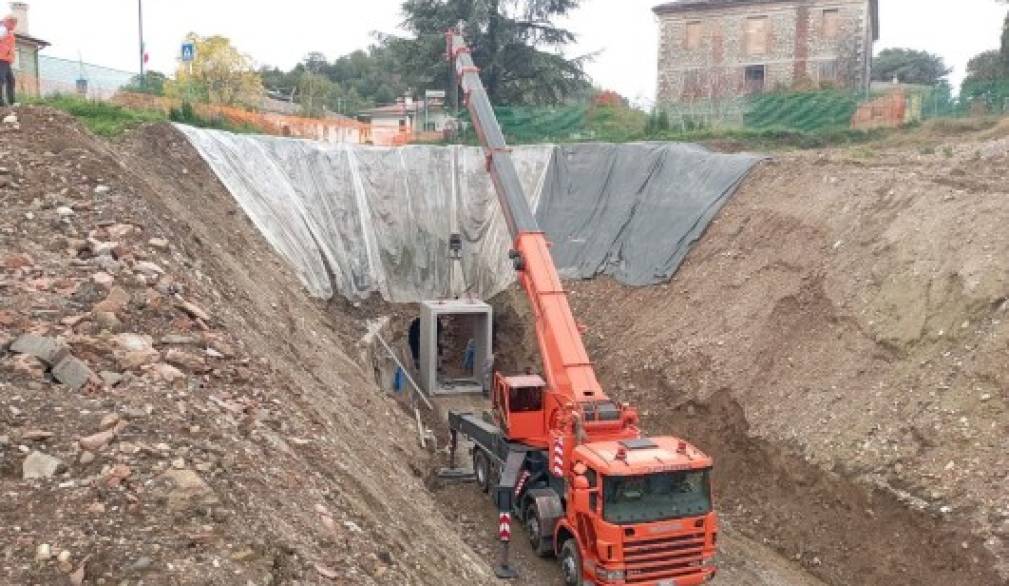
{"x":454,"y":346}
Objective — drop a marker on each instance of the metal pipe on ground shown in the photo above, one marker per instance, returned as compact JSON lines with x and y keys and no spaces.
{"x":416,"y":389}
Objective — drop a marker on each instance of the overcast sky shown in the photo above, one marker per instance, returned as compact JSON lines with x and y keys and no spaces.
{"x":281,"y":33}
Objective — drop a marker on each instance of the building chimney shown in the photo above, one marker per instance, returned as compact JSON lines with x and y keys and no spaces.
{"x":20,"y":11}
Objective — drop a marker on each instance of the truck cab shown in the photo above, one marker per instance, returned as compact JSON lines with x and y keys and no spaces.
{"x":641,"y":513}
{"x":517,"y":403}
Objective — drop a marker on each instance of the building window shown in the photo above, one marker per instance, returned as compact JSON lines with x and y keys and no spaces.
{"x":831,"y":24}
{"x":754,"y":77}
{"x":692,"y":84}
{"x":695,"y":32}
{"x":828,"y":71}
{"x":757,"y":34}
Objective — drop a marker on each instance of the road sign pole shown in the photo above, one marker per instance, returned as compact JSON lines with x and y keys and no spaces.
{"x":140,"y":19}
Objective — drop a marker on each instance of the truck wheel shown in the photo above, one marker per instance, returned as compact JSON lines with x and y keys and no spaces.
{"x":571,"y":563}
{"x":541,"y":545}
{"x":481,"y":469}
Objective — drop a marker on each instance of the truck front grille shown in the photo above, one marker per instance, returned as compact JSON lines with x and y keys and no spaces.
{"x":658,"y":559}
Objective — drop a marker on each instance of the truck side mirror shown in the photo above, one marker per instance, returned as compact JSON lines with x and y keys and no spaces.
{"x":580,"y":493}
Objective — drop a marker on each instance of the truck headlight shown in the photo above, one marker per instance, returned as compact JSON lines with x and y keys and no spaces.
{"x":609,"y":575}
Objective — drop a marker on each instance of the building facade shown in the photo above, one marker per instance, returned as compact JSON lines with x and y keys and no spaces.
{"x":26,"y":53}
{"x":716,"y":49}
{"x":408,"y":120}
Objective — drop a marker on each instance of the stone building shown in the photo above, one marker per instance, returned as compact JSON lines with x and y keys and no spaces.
{"x":716,"y":49}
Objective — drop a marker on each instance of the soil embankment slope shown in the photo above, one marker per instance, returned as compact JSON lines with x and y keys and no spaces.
{"x":838,"y":341}
{"x":246,"y":444}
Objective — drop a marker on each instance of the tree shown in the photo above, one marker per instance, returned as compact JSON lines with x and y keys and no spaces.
{"x":314,"y":93}
{"x":315,"y":62}
{"x":151,"y":82}
{"x":986,"y":72}
{"x":987,"y":80}
{"x":1004,"y":50}
{"x":280,"y":82}
{"x":516,"y":44}
{"x":218,"y":74}
{"x":909,"y":66}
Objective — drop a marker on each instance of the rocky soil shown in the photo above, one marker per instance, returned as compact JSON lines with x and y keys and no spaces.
{"x":173,"y":408}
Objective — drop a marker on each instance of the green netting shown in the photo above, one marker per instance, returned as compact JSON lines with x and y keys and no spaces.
{"x":976,"y":98}
{"x":806,"y":111}
{"x":533,"y":124}
{"x":820,"y":113}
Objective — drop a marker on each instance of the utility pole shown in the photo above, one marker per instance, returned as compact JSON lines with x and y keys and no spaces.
{"x":140,"y":18}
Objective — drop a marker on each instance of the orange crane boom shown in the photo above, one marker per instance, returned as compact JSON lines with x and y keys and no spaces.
{"x":571,"y":463}
{"x":566,"y":365}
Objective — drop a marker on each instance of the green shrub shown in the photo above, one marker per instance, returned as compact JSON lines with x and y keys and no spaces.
{"x":101,"y":118}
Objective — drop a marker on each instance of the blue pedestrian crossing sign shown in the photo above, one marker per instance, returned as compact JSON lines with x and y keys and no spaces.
{"x":188,"y":51}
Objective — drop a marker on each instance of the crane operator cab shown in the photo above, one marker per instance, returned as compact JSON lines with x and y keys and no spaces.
{"x":518,"y":405}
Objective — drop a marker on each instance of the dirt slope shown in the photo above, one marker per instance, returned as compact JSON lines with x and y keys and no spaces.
{"x":246,"y":444}
{"x":838,"y":341}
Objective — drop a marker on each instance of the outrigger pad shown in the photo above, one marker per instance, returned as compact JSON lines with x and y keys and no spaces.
{"x":505,"y":572}
{"x":456,"y":474}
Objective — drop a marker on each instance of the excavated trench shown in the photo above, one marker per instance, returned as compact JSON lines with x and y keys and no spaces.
{"x":822,"y":525}
{"x":819,"y":524}
{"x":786,"y":522}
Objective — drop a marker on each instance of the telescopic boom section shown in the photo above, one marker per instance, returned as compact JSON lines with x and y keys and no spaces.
{"x":565,"y":362}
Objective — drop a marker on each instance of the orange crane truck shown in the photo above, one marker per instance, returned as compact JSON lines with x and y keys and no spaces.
{"x":560,"y":456}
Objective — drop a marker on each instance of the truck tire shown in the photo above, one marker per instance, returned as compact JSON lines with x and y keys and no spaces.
{"x":542,"y":546}
{"x":481,"y":469}
{"x":571,"y":563}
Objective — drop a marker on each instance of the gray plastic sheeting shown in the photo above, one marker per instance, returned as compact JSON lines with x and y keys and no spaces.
{"x":632,"y":210}
{"x":356,"y":220}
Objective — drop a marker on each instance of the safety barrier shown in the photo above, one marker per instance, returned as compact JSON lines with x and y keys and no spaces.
{"x":889,"y":111}
{"x":333,"y":130}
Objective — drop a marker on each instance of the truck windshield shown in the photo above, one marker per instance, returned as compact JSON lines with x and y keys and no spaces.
{"x":653,"y":497}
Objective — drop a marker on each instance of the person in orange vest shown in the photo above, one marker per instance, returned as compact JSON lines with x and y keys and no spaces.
{"x":8,"y":45}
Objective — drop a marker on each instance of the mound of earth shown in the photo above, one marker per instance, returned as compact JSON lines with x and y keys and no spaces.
{"x":182,"y":412}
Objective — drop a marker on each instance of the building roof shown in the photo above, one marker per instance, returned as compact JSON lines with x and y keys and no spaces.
{"x":33,"y":40}
{"x":271,"y":104}
{"x":392,"y":110}
{"x":400,"y":110}
{"x":698,"y":5}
